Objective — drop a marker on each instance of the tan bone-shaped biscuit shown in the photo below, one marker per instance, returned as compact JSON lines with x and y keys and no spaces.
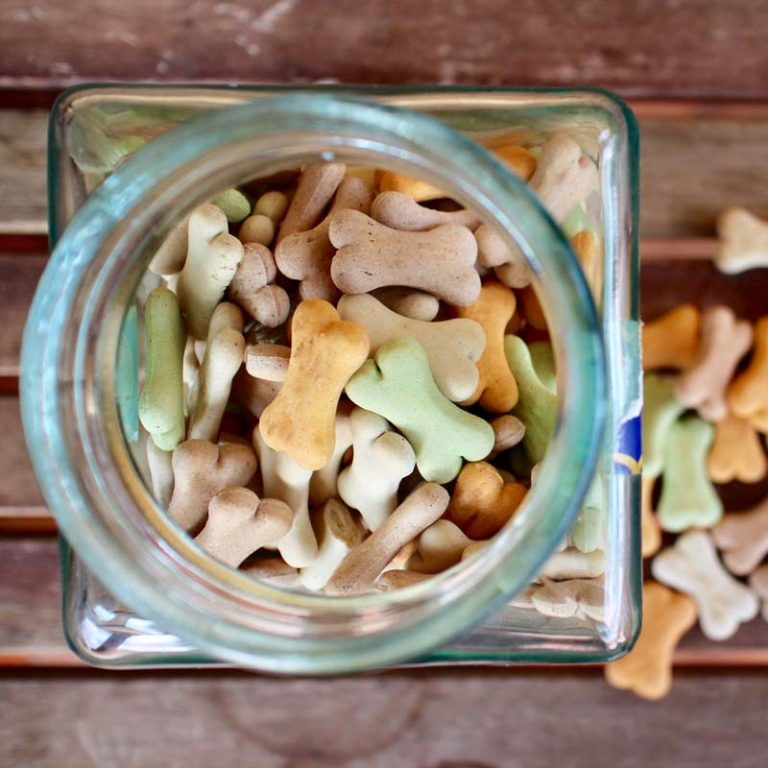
{"x":239,"y":524}
{"x":647,"y":669}
{"x":267,"y":361}
{"x":509,"y":431}
{"x":273,"y":571}
{"x":440,"y":261}
{"x":672,"y":340}
{"x":572,"y":563}
{"x":582,"y":598}
{"x":724,"y":341}
{"x":201,"y":470}
{"x":252,"y":287}
{"x":399,"y":211}
{"x":325,"y":352}
{"x":692,"y":567}
{"x":361,"y":567}
{"x":306,"y":256}
{"x":417,"y":305}
{"x":439,"y":547}
{"x":399,"y":579}
{"x":748,"y":392}
{"x":736,"y":453}
{"x":758,"y":581}
{"x":509,"y":263}
{"x":743,"y":539}
{"x":743,"y":241}
{"x":453,"y":346}
{"x":323,"y":485}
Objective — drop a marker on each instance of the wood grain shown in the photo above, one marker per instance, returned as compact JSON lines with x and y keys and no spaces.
{"x":668,"y":47}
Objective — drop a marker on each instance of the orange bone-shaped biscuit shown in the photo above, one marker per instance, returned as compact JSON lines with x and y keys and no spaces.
{"x":326,"y":351}
{"x":647,"y":669}
{"x":650,"y":534}
{"x":672,"y":340}
{"x":748,"y":392}
{"x":736,"y":453}
{"x":482,"y":502}
{"x":497,"y":388}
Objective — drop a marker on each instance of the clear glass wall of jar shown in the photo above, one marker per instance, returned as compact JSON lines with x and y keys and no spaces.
{"x":138,"y":591}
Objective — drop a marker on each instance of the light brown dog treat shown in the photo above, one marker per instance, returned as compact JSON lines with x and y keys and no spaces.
{"x":212,"y":259}
{"x":399,"y":211}
{"x":582,"y":598}
{"x":324,"y":483}
{"x":267,"y":361}
{"x":743,"y":241}
{"x":736,"y":453}
{"x":417,"y":190}
{"x":586,"y":246}
{"x":325,"y":352}
{"x":202,"y":469}
{"x":518,"y":159}
{"x":497,"y":388}
{"x":253,"y":394}
{"x":337,"y":533}
{"x":306,"y":255}
{"x":758,"y":581}
{"x":508,"y":263}
{"x":742,"y":537}
{"x":650,"y":529}
{"x":170,"y":256}
{"x":531,"y":309}
{"x":672,"y":340}
{"x":317,"y":185}
{"x":160,"y":473}
{"x":572,"y":563}
{"x":361,"y":567}
{"x":509,"y":431}
{"x":399,"y":579}
{"x":273,"y":205}
{"x":415,"y":305}
{"x":274,"y":571}
{"x":257,"y":229}
{"x":647,"y":669}
{"x":372,"y":256}
{"x":482,"y":503}
{"x":724,"y":341}
{"x":748,"y":392}
{"x":239,"y":524}
{"x":439,"y":548}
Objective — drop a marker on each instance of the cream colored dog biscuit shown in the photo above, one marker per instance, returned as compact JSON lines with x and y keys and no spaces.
{"x":692,"y":567}
{"x":453,"y":347}
{"x":414,"y":304}
{"x":743,"y":241}
{"x":317,"y":185}
{"x":252,"y":290}
{"x":325,"y":352}
{"x":372,"y":256}
{"x":360,"y":568}
{"x":743,"y":539}
{"x":170,"y":256}
{"x":439,"y":548}
{"x":201,"y":470}
{"x":323,"y":485}
{"x":267,"y":361}
{"x":213,"y":256}
{"x":724,"y":341}
{"x":759,"y":583}
{"x":399,"y":211}
{"x":736,"y":453}
{"x":572,"y":563}
{"x":748,"y":392}
{"x":582,"y":598}
{"x":239,"y":524}
{"x":380,"y":460}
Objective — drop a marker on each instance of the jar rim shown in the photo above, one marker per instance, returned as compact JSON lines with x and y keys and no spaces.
{"x":63,"y":387}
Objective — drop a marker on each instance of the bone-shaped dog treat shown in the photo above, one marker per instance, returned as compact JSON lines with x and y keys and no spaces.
{"x":273,"y":571}
{"x":439,"y":548}
{"x":650,"y":532}
{"x":724,"y":341}
{"x":497,"y":387}
{"x":190,"y":368}
{"x":323,"y":485}
{"x":440,"y":261}
{"x":399,"y":211}
{"x":493,"y":252}
{"x":325,"y":352}
{"x":273,"y":205}
{"x":482,"y":503}
{"x":170,"y":256}
{"x":672,"y":340}
{"x":380,"y":460}
{"x":416,"y":189}
{"x":571,"y":563}
{"x":582,"y":598}
{"x":759,"y":583}
{"x":453,"y":347}
{"x":399,"y":386}
{"x":161,"y":404}
{"x":748,"y":392}
{"x":688,"y":497}
{"x":306,"y":256}
{"x":282,"y":478}
{"x":743,"y":241}
{"x":201,"y":470}
{"x":212,"y":259}
{"x":736,"y":453}
{"x":743,"y":539}
{"x":267,"y":361}
{"x":257,"y":230}
{"x":399,"y":579}
{"x":692,"y":567}
{"x":360,"y":568}
{"x":233,"y":203}
{"x":160,"y":473}
{"x":647,"y":669}
{"x":543,"y":359}
{"x":252,"y":290}
{"x":661,"y":409}
{"x":239,"y":524}
{"x":537,"y":405}
{"x":531,"y":309}
{"x":253,"y":394}
{"x":518,"y":159}
{"x":317,"y":185}
{"x":587,"y":532}
{"x":586,"y":246}
{"x":509,"y":431}
{"x":337,"y":533}
{"x":414,"y":304}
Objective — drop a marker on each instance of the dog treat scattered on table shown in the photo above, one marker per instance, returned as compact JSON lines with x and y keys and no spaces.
{"x":661,"y":410}
{"x":748,"y":392}
{"x":672,"y":340}
{"x":650,"y":529}
{"x":742,"y":537}
{"x":743,"y":241}
{"x":736,"y":453}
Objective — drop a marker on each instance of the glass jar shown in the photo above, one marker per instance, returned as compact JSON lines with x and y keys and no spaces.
{"x":137,"y":590}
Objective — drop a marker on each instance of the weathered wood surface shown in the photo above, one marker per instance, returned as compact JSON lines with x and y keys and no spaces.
{"x":668,"y":47}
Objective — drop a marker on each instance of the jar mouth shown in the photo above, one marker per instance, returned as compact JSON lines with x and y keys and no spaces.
{"x":104,"y":508}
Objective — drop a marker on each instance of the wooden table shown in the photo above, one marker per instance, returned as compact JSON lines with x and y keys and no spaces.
{"x":697,"y":77}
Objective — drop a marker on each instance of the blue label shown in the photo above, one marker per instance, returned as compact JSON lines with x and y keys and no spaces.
{"x":628,"y":458}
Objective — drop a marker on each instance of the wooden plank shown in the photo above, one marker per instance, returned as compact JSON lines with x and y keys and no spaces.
{"x":670,"y":47}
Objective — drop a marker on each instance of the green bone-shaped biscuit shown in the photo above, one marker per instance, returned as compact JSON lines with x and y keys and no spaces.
{"x":537,"y":406}
{"x":688,"y":497}
{"x":543,"y":359}
{"x":234,"y":204}
{"x":661,"y":409}
{"x":587,"y":531}
{"x":399,"y":386}
{"x":161,"y":405}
